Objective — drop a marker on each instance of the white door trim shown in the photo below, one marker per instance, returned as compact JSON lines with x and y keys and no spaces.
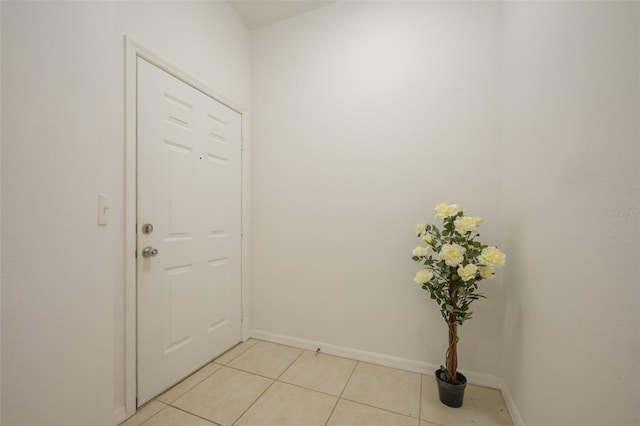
{"x":134,"y":50}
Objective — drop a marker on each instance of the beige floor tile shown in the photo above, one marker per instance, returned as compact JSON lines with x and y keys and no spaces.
{"x":320,"y":372}
{"x":173,"y":417}
{"x":266,"y":359}
{"x":188,"y":383}
{"x":355,"y":414}
{"x":373,"y":395}
{"x":288,"y":405}
{"x":482,"y":407}
{"x":224,"y":395}
{"x":386,"y":388}
{"x":228,"y":356}
{"x":144,"y":413}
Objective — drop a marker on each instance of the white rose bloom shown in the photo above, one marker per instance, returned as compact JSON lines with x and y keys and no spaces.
{"x":428,"y":238}
{"x":487,"y":272}
{"x":423,"y":276}
{"x":420,"y":228}
{"x":445,"y":210}
{"x":421,"y":251}
{"x":452,"y":254}
{"x":491,"y":256}
{"x":466,"y":224}
{"x":467,"y":272}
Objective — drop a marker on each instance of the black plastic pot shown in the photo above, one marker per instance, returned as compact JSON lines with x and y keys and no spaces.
{"x":451,"y":394}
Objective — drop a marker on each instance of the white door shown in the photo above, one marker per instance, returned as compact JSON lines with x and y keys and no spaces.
{"x":189,"y":190}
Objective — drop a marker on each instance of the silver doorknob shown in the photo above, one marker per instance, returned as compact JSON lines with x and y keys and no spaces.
{"x":149,"y":252}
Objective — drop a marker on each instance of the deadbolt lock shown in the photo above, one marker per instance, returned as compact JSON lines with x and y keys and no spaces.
{"x":147,"y":228}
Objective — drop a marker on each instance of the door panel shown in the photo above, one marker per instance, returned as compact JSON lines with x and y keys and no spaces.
{"x":189,"y":189}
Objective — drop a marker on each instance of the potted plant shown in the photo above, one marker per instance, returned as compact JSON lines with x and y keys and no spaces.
{"x":454,"y":262}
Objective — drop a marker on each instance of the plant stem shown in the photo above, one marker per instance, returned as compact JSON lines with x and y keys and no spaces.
{"x":452,"y":350}
{"x":452,"y":354}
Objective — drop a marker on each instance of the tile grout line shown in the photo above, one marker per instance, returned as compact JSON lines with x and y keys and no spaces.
{"x":159,"y":411}
{"x":379,"y":408}
{"x":341,"y":393}
{"x":292,"y":362}
{"x":195,"y":415}
{"x":179,"y":409}
{"x":267,"y":389}
{"x":249,"y":372}
{"x":213,"y":361}
{"x":236,"y":346}
{"x":315,"y":390}
{"x":279,"y":379}
{"x":196,"y":384}
{"x":222,"y":366}
{"x":306,"y":388}
{"x":253,"y":403}
{"x":139,"y":409}
{"x":311,"y":389}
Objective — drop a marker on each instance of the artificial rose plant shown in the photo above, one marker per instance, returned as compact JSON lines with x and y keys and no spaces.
{"x":453,"y":264}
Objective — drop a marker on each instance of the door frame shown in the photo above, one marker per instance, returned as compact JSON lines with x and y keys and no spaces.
{"x":133,"y":51}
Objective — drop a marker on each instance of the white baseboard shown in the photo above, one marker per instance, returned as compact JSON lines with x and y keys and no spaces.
{"x":374,"y":358}
{"x":119,"y":415}
{"x":511,"y":406}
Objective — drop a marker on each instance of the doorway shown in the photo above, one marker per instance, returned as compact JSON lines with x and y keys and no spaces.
{"x":184,"y":262}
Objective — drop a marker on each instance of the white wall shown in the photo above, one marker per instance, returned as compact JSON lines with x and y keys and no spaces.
{"x":0,"y":226}
{"x":365,"y":116}
{"x":571,"y":165}
{"x":62,"y":133}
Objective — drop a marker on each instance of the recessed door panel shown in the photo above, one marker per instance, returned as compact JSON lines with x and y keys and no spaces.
{"x":216,"y":197}
{"x":179,"y":319}
{"x":217,"y":282}
{"x":180,"y":177}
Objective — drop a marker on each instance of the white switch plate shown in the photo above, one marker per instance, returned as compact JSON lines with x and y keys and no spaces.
{"x":103,"y":209}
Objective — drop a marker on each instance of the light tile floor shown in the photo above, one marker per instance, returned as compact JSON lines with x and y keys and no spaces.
{"x":262,"y":383}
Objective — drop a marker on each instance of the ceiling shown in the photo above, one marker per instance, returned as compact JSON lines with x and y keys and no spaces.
{"x":258,"y":13}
